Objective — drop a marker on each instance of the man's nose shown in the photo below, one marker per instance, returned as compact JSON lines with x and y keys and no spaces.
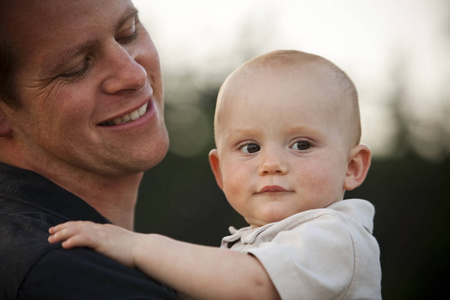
{"x":124,"y":73}
{"x":273,"y":162}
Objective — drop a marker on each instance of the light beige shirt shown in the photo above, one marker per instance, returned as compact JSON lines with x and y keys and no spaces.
{"x":327,"y":253}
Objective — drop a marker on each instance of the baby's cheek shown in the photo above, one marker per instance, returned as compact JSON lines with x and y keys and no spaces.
{"x":234,"y":188}
{"x":232,"y":178}
{"x":231,"y":189}
{"x":316,"y":179}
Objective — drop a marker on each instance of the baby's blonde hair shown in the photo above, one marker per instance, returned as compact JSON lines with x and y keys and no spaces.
{"x":340,"y":85}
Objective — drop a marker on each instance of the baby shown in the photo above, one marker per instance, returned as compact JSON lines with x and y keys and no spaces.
{"x":287,"y":131}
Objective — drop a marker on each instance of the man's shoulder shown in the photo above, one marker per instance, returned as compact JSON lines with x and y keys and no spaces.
{"x":88,"y":275}
{"x":23,"y":235}
{"x":22,"y":224}
{"x":31,"y":267}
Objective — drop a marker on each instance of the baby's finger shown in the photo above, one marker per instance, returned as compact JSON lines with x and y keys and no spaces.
{"x":61,"y":226}
{"x":77,"y":225}
{"x":59,"y":236}
{"x":78,"y":241}
{"x":63,"y":232}
{"x":56,"y":228}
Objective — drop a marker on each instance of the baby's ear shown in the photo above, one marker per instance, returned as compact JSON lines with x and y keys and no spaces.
{"x":358,"y":166}
{"x":5,"y":128}
{"x":215,"y":167}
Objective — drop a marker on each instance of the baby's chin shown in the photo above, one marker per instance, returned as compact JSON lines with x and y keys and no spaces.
{"x":271,"y":217}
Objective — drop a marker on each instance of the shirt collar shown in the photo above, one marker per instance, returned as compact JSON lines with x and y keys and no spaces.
{"x":35,"y":190}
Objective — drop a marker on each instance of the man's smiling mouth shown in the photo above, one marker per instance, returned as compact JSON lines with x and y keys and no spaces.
{"x":128,"y":117}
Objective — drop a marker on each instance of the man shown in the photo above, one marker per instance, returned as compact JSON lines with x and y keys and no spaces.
{"x":81,"y":119}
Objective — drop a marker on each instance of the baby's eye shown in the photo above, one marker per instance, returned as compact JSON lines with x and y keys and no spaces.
{"x":301,"y":145}
{"x":250,"y":148}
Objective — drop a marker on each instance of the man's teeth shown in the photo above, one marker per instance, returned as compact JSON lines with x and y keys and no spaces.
{"x":131,"y":116}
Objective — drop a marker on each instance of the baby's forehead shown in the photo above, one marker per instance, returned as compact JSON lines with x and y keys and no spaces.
{"x":302,"y":79}
{"x":291,"y":71}
{"x":329,"y":96}
{"x":284,"y":91}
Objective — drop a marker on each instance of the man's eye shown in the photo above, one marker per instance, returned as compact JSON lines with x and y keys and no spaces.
{"x":301,"y":145}
{"x":129,"y":35}
{"x":129,"y":38}
{"x":250,"y":148}
{"x":78,"y":73}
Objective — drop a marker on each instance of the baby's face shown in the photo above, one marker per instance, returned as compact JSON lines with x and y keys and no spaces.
{"x":280,"y":148}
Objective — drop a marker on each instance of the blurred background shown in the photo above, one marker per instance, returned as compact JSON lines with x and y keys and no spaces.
{"x":396,"y":52}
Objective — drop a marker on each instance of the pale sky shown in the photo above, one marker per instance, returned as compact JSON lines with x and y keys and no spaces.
{"x":367,"y":39}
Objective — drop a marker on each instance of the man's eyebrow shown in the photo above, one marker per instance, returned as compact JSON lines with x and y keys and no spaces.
{"x":129,"y":13}
{"x":67,"y":55}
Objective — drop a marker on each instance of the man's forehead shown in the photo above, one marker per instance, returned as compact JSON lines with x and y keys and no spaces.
{"x":48,"y":27}
{"x":51,"y":15}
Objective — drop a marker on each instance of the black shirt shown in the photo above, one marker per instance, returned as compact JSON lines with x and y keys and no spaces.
{"x":31,"y":268}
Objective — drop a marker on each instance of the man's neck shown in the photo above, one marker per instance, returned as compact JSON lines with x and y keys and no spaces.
{"x":113,"y":198}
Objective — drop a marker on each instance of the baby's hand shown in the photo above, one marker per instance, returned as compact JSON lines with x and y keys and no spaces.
{"x":112,"y":241}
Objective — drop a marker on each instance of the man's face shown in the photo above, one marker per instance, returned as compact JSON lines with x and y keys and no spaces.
{"x":86,"y":66}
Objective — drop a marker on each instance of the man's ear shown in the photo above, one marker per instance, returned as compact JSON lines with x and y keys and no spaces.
{"x":358,"y":166}
{"x":215,"y":167}
{"x":5,"y":128}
